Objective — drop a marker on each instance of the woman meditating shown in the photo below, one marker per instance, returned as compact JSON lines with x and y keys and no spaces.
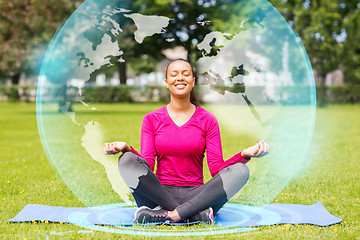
{"x":177,"y":136}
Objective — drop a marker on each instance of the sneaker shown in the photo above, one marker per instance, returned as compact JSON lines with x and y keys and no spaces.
{"x":205,"y":216}
{"x":147,"y":215}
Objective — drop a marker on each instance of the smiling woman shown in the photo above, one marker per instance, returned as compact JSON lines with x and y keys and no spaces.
{"x":177,"y":136}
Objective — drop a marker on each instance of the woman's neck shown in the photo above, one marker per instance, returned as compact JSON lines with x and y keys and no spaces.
{"x":180,"y":105}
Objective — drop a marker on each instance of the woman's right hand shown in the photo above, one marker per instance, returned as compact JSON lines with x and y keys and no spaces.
{"x":115,"y":147}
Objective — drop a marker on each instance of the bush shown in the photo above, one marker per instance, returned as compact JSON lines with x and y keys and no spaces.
{"x":13,"y":93}
{"x":16,"y":93}
{"x":259,"y":95}
{"x":289,"y":94}
{"x":343,"y":94}
{"x":107,"y":94}
{"x":123,"y":93}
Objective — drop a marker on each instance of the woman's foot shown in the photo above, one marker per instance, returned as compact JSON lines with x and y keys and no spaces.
{"x":205,"y":216}
{"x":147,"y":215}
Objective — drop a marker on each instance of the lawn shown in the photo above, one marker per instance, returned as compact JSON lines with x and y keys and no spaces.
{"x":331,"y":177}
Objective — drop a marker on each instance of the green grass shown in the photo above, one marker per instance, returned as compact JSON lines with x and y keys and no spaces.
{"x":331,"y":177}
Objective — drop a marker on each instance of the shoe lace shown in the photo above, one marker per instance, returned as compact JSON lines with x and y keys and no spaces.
{"x":158,"y":217}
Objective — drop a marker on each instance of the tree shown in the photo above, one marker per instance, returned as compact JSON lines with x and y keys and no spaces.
{"x":181,"y":30}
{"x":350,"y":10}
{"x":316,"y":22}
{"x":26,"y":28}
{"x":329,"y":31}
{"x":189,"y":23}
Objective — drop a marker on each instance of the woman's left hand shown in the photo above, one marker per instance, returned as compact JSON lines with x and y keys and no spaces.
{"x":258,"y":150}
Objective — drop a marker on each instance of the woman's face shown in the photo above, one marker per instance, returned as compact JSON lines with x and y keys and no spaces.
{"x":179,"y":78}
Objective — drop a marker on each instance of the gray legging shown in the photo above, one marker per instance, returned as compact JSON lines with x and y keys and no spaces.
{"x":187,"y":200}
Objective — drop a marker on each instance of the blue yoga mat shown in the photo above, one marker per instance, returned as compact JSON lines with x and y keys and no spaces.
{"x":232,"y":215}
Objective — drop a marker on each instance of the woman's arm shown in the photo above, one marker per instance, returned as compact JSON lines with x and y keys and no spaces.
{"x":214,"y":150}
{"x":147,"y":145}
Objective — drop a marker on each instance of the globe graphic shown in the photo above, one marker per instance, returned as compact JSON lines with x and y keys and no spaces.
{"x":252,"y":73}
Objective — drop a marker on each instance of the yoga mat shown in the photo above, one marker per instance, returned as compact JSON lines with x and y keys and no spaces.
{"x":231,"y":215}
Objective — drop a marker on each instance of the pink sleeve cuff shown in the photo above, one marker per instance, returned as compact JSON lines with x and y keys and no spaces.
{"x":244,"y":160}
{"x":134,"y":151}
{"x":237,"y":158}
{"x":138,"y":154}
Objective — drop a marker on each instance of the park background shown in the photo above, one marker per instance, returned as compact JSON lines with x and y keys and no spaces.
{"x":329,"y":31}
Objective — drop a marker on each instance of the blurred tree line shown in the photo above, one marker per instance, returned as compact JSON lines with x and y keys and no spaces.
{"x":328,"y":29}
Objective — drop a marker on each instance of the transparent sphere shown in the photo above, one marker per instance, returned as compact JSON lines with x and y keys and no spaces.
{"x":252,"y":72}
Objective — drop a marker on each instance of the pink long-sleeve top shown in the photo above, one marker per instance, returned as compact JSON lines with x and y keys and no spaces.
{"x":180,"y":150}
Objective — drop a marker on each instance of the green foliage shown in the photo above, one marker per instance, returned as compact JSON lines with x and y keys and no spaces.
{"x":13,"y":94}
{"x":351,"y":47}
{"x":107,"y":94}
{"x":26,"y":28}
{"x":16,"y":93}
{"x":343,"y":94}
{"x":124,"y":93}
{"x":183,"y":30}
{"x":289,"y":95}
{"x":329,"y":31}
{"x":314,"y":21}
{"x":184,"y":15}
{"x":144,"y":64}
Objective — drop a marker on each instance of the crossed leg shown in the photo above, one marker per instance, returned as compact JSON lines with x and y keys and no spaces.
{"x":148,"y":191}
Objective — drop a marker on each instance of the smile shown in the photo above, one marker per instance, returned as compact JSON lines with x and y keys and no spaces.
{"x":180,"y":85}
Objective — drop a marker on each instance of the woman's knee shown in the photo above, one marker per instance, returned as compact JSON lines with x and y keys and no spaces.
{"x":234,"y":178}
{"x":243,"y":170}
{"x":239,"y":171}
{"x":126,"y":159}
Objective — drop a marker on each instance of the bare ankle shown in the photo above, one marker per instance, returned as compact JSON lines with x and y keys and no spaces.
{"x":174,"y":215}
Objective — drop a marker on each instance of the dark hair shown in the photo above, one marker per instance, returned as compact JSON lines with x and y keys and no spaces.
{"x":179,"y":59}
{"x":193,"y":99}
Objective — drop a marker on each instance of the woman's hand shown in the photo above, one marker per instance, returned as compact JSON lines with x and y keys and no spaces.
{"x":116,"y":147}
{"x":258,"y":150}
